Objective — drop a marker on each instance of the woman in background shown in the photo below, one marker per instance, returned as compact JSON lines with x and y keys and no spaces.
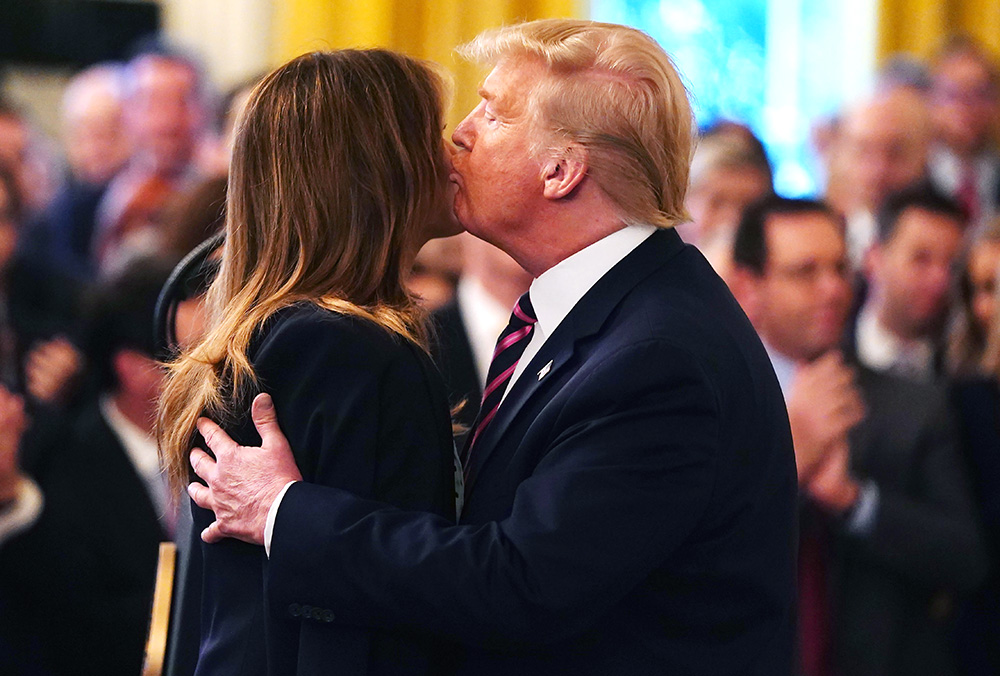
{"x":974,"y":361}
{"x":338,"y":176}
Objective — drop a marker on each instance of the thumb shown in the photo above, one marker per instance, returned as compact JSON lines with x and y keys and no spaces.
{"x":265,"y":419}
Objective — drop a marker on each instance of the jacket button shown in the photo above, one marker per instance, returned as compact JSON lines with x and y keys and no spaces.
{"x":295,"y":609}
{"x":328,"y":616}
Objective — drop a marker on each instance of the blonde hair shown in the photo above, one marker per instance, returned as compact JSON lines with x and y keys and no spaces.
{"x":617,"y":95}
{"x":337,"y":165}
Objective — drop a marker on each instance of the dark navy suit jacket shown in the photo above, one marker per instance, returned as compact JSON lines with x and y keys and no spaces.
{"x":634,"y":510}
{"x":366,"y":412}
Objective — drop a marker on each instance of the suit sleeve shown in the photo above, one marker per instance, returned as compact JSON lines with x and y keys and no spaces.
{"x":618,"y":489}
{"x":928,"y":533}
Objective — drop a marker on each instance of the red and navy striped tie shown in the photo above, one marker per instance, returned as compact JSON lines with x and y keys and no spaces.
{"x":510,"y":347}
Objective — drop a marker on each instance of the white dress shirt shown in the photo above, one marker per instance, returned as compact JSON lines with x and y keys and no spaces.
{"x":140,"y":448}
{"x":553,"y":294}
{"x":881,"y":350}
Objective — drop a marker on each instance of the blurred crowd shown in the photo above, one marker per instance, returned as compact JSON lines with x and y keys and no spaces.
{"x":876,"y":302}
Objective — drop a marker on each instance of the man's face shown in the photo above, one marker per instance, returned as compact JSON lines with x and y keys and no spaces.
{"x":883,"y":149}
{"x":496,"y":167}
{"x":912,"y":272}
{"x":164,"y":113}
{"x":717,"y":202}
{"x":964,"y":103}
{"x":804,"y":295}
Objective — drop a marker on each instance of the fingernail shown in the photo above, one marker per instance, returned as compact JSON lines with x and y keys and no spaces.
{"x":265,"y":402}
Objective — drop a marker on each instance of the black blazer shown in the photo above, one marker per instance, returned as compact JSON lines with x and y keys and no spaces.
{"x":634,"y":510}
{"x":892,"y":588}
{"x":365,"y":412}
{"x":76,"y":588}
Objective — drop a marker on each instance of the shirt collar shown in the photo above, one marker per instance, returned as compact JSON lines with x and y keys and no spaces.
{"x":784,"y":368}
{"x":557,"y":290}
{"x":881,"y":350}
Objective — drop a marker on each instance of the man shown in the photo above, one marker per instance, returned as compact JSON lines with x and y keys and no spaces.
{"x":91,"y":554}
{"x":910,"y":276}
{"x":964,"y":162}
{"x":164,"y":117}
{"x":729,"y":170}
{"x":880,"y":147}
{"x":887,"y":524}
{"x":629,"y":505}
{"x":96,"y":148}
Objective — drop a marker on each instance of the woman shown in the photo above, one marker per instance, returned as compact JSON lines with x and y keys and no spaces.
{"x":338,"y":176}
{"x":977,"y":289}
{"x":974,"y":358}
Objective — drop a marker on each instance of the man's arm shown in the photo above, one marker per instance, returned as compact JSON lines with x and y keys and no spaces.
{"x":929,"y":534}
{"x":620,"y":487}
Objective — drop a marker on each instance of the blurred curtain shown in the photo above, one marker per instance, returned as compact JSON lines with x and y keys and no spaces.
{"x":920,"y":26}
{"x":426,"y":29}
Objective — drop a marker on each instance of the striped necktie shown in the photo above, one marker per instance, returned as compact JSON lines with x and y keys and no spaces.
{"x":510,"y":347}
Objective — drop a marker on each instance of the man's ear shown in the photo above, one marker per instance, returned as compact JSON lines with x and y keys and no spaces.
{"x":564,"y":172}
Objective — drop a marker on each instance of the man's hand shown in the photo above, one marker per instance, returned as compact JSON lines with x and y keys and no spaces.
{"x":52,"y":370}
{"x":13,"y":422}
{"x":832,"y":487}
{"x":243,"y":481}
{"x":823,"y":406}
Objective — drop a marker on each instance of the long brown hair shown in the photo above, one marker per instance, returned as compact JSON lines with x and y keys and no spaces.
{"x":337,"y":165}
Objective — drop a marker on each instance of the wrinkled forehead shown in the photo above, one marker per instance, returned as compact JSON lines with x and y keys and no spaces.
{"x":512,"y":87}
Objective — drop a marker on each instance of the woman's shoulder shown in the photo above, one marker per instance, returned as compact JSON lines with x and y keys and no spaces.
{"x":304,"y":336}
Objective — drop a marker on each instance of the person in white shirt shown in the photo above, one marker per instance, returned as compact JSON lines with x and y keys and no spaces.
{"x":84,"y":504}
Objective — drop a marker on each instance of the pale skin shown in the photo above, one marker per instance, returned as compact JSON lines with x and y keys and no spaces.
{"x":538,"y":206}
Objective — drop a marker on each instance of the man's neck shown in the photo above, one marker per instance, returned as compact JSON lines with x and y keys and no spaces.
{"x":139,"y":413}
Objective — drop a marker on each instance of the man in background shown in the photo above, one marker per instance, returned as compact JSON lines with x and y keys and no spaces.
{"x":910,"y":273}
{"x":467,"y":328}
{"x":83,"y":505}
{"x":887,"y":526}
{"x":880,"y":147}
{"x":964,"y":162}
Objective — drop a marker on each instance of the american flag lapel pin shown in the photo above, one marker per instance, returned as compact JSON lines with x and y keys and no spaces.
{"x":545,"y":370}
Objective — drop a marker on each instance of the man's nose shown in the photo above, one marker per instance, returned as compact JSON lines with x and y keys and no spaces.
{"x":464,"y":133}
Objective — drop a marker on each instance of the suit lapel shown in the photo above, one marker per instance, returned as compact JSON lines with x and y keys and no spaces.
{"x":584,"y":320}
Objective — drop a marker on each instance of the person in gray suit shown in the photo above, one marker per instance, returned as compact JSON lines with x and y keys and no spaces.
{"x":887,"y":527}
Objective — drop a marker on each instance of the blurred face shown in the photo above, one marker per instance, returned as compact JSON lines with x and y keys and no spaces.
{"x":964,"y":103}
{"x":96,"y":144}
{"x":804,"y":295}
{"x":495,"y":167}
{"x":164,"y":113}
{"x":718,"y":200}
{"x":983,"y":261}
{"x":912,"y":272}
{"x":883,"y":149}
